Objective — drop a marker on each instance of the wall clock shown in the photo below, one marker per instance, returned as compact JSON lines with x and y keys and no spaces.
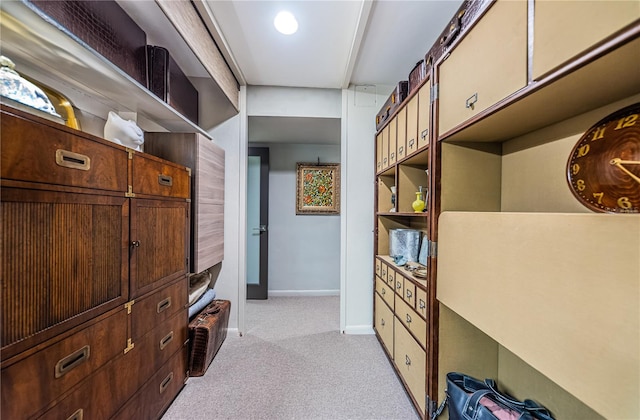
{"x":603,"y":169}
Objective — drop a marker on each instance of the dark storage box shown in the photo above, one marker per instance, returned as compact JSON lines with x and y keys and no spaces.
{"x":398,"y":95}
{"x":417,"y":75}
{"x":207,"y":332}
{"x":167,"y":81}
{"x":104,"y":26}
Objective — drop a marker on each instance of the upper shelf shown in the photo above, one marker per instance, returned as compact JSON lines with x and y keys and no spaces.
{"x":50,"y":54}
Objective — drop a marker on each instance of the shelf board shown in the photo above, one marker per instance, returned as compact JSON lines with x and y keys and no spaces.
{"x":50,"y":54}
{"x":403,"y":214}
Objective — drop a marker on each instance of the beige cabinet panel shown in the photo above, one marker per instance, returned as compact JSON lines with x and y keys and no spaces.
{"x":378,"y":267}
{"x":421,"y":302}
{"x":564,"y":29}
{"x":412,"y":124}
{"x":489,"y":64}
{"x":384,"y":323}
{"x":379,"y":152}
{"x":409,"y":294}
{"x":385,"y":292}
{"x":424,"y":115}
{"x":391,"y":277}
{"x":412,"y":321}
{"x":402,"y":134}
{"x":385,"y":147}
{"x":393,"y":140}
{"x":399,"y":286}
{"x":410,"y":360}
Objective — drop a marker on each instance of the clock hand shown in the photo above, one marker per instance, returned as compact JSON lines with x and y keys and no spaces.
{"x":618,"y":162}
{"x":625,"y":162}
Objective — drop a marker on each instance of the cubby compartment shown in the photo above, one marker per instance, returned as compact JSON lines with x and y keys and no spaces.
{"x":388,"y":222}
{"x":413,"y":174}
{"x":386,"y":184}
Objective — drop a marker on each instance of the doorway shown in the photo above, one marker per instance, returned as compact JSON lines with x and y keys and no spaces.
{"x":257,"y":222}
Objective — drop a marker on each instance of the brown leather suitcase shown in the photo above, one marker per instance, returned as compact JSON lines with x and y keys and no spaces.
{"x":417,"y":75}
{"x":168,"y":82}
{"x":398,"y":95}
{"x":207,"y":332}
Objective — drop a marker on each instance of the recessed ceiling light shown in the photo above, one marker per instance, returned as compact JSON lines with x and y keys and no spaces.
{"x":285,"y":23}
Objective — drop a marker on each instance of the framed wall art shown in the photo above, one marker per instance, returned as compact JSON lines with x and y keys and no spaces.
{"x":318,"y":188}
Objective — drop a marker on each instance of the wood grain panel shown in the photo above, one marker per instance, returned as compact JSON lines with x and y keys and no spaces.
{"x":62,"y":255}
{"x":210,"y":173}
{"x":153,"y":176}
{"x":209,"y":237}
{"x":187,"y":22}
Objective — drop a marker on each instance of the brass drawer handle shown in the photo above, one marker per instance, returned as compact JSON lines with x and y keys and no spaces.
{"x":163,"y":304}
{"x":165,"y":180}
{"x":408,"y":319}
{"x":470,"y":103}
{"x":165,"y":383}
{"x":409,"y":294}
{"x":66,"y":364}
{"x":72,"y":160}
{"x":422,"y":304}
{"x":78,"y":415}
{"x":166,"y":340}
{"x":424,"y":133}
{"x":407,"y":361}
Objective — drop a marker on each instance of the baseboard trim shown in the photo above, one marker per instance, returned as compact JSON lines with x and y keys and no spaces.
{"x":359,"y":330}
{"x":298,"y":293}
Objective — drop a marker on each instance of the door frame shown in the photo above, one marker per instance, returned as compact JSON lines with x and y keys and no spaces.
{"x":260,"y":291}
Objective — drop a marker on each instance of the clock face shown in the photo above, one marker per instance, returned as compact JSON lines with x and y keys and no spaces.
{"x":603,"y":170}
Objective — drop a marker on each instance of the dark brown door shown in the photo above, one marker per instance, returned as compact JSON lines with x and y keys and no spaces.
{"x":257,"y":223}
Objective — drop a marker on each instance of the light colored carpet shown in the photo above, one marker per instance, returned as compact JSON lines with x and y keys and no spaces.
{"x":293,"y":363}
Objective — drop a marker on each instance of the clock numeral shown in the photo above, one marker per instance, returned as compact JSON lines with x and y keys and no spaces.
{"x":575,"y":168}
{"x":599,"y":196}
{"x":580,"y":185}
{"x":627,"y":121}
{"x":624,"y":203}
{"x":583,"y":150}
{"x":598,"y":133}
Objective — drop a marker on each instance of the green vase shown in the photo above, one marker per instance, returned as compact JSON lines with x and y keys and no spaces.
{"x":418,"y":205}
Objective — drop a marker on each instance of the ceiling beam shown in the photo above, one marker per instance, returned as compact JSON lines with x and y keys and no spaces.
{"x":361,"y":27}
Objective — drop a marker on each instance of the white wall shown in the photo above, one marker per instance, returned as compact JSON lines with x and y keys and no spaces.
{"x":293,"y":102}
{"x":358,"y":157}
{"x":304,"y":250}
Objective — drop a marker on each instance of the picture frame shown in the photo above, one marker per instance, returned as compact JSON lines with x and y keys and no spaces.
{"x":318,"y":188}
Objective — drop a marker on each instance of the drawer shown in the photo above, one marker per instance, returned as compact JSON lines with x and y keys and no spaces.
{"x":564,"y":29}
{"x":383,"y":270}
{"x":154,"y":176}
{"x":412,"y":321}
{"x":385,"y":292}
{"x":477,"y":74}
{"x":424,"y":115}
{"x":385,"y":147}
{"x":410,"y":360}
{"x":421,"y":302}
{"x":409,"y":293}
{"x":152,"y":310}
{"x":391,"y":276}
{"x":393,"y":141}
{"x":384,"y":323}
{"x":39,"y":152}
{"x":402,"y":134}
{"x":398,"y":286}
{"x":31,"y":384}
{"x":378,"y":267}
{"x":158,"y":393}
{"x":412,"y":124}
{"x":379,"y":152}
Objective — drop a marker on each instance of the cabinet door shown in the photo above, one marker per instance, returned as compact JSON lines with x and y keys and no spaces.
{"x":424,"y":115}
{"x":393,"y":141}
{"x":412,"y":124}
{"x":410,"y":360}
{"x":384,"y":323}
{"x":564,"y":29}
{"x":159,"y":233}
{"x":65,"y":260}
{"x":402,"y":134}
{"x":385,"y":147}
{"x":489,"y":64}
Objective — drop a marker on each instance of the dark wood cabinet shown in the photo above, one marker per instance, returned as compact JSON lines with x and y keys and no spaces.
{"x":95,"y":241}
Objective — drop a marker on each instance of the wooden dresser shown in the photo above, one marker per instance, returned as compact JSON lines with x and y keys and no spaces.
{"x":95,"y":239}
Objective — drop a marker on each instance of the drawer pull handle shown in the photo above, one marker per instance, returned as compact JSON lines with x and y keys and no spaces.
{"x":72,"y":160}
{"x":398,"y":285}
{"x":422,"y":304}
{"x":78,"y":415}
{"x":393,"y":155}
{"x":382,"y":322}
{"x":408,"y":319}
{"x":409,"y":294}
{"x":384,"y":161}
{"x":470,"y":103}
{"x":66,"y":364}
{"x":379,"y":165}
{"x":165,"y":180}
{"x":165,"y":383}
{"x":412,"y":142}
{"x":384,"y":273}
{"x":407,"y":361}
{"x":383,"y":292}
{"x":166,"y":340}
{"x":164,"y":304}
{"x":401,"y":150}
{"x":424,"y":133}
